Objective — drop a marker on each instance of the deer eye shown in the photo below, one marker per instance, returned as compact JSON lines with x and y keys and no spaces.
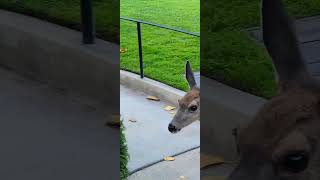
{"x":295,"y":162}
{"x":193,"y":108}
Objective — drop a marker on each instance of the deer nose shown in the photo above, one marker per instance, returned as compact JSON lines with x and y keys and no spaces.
{"x":172,"y":128}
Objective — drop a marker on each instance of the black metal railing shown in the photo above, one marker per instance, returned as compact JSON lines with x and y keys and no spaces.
{"x":139,"y":33}
{"x":87,"y":17}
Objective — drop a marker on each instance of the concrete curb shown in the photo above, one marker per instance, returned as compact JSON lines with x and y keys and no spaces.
{"x":152,"y":87}
{"x":56,"y":55}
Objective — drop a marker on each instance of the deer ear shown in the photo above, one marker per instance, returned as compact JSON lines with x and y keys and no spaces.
{"x":282,"y":45}
{"x":189,"y":76}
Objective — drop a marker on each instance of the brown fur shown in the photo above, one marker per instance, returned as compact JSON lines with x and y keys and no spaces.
{"x":189,"y":106}
{"x":288,"y":122}
{"x":281,"y":114}
{"x":283,"y":140}
{"x":191,"y":95}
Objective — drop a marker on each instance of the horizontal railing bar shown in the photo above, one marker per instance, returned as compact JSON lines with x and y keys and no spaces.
{"x":161,"y":26}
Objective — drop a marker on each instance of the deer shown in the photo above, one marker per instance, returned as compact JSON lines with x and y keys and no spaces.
{"x":189,"y":105}
{"x":282,"y":141}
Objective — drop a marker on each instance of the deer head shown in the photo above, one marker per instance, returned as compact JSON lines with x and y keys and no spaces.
{"x":189,"y":105}
{"x":282,"y":141}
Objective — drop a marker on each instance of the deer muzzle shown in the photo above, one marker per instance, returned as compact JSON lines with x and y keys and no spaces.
{"x":173,"y":129}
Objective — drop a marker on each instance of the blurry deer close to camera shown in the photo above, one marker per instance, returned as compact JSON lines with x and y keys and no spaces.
{"x":189,"y":106}
{"x":282,"y":142}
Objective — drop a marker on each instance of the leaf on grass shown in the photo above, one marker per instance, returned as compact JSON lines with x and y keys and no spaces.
{"x":123,"y":50}
{"x":169,"y":158}
{"x":169,"y":108}
{"x":153,"y":98}
{"x":209,"y":160}
{"x":132,"y":120}
{"x":114,"y":120}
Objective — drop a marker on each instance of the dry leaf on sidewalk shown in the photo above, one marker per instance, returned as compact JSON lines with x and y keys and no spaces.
{"x":114,"y":120}
{"x":123,"y":50}
{"x":169,"y":158}
{"x":182,"y":177}
{"x":153,"y":98}
{"x":208,"y":160}
{"x":169,"y":108}
{"x":132,"y":120}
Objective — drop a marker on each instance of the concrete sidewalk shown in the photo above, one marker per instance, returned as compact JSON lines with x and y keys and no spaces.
{"x":185,"y":167}
{"x":149,"y":139}
{"x":308,"y":32}
{"x":48,"y":134}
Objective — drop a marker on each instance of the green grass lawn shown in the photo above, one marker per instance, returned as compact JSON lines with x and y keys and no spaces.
{"x":165,"y":52}
{"x":124,"y":157}
{"x":67,"y":13}
{"x":229,"y":55}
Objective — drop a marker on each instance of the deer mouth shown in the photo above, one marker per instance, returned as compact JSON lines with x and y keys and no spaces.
{"x":175,"y":131}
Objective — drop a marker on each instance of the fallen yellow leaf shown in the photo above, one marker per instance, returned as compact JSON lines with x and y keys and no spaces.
{"x":169,"y":158}
{"x":153,"y":98}
{"x":114,"y":120}
{"x":182,"y":177}
{"x":169,"y":108}
{"x":209,"y":160}
{"x":123,"y":50}
{"x":132,"y":120}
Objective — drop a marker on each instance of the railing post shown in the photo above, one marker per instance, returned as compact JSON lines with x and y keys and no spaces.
{"x":88,"y":31}
{"x":140,"y":49}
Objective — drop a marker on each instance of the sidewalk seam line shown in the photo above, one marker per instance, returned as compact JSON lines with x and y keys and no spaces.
{"x":159,"y":161}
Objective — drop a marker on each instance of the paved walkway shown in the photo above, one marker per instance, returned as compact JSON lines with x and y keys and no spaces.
{"x":185,"y":167}
{"x":45,"y":134}
{"x":197,"y":77}
{"x":308,"y":30}
{"x":149,"y":140}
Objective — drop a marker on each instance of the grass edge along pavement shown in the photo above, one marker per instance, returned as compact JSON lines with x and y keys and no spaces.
{"x":68,"y":14}
{"x":230,"y":55}
{"x":124,"y":156}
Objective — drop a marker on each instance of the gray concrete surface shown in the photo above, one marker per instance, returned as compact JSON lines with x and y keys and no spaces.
{"x":186,"y":165}
{"x":308,"y":31}
{"x":149,"y":139}
{"x":197,"y":77}
{"x":56,"y":55}
{"x":147,"y":85}
{"x":221,"y":171}
{"x":222,"y":109}
{"x":47,"y":134}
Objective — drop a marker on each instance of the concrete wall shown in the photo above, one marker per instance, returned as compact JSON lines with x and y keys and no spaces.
{"x":56,"y":55}
{"x":222,"y":109}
